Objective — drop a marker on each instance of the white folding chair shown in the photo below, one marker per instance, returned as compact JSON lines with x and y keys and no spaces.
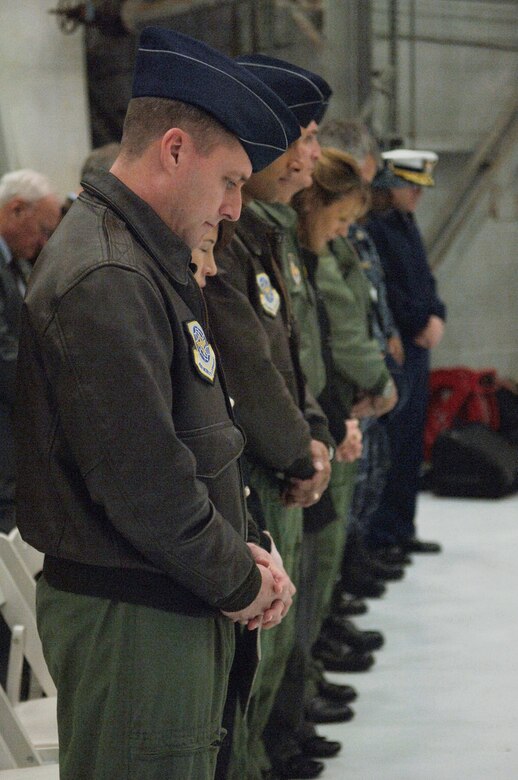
{"x":19,"y":609}
{"x":48,"y":772}
{"x":32,"y":558}
{"x":16,"y":748}
{"x":10,"y":547}
{"x":34,"y":719}
{"x":18,"y":570}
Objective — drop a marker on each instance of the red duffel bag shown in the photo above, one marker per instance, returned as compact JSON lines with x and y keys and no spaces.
{"x":459,"y":396}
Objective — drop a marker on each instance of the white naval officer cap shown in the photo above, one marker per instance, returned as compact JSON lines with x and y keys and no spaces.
{"x":404,"y":167}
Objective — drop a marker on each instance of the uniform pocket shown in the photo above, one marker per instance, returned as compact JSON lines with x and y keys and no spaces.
{"x":214,"y":448}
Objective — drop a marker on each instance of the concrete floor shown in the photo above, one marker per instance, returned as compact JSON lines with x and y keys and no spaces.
{"x":441,"y":702}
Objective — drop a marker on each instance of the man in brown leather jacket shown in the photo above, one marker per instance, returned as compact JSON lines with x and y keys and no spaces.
{"x":129,"y":478}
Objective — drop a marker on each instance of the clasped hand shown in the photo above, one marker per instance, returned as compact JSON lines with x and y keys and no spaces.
{"x":275,"y":596}
{"x":432,"y":334}
{"x":375,"y":405}
{"x":306,"y":492}
{"x":350,"y":449}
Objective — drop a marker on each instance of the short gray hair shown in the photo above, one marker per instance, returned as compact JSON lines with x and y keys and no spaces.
{"x":350,"y":136}
{"x":26,"y":184}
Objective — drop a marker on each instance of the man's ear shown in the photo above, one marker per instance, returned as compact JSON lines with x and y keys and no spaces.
{"x":16,"y":206}
{"x":174,"y":145}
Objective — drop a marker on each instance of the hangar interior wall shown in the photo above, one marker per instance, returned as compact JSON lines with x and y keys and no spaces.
{"x":454,"y":83}
{"x":439,"y":73}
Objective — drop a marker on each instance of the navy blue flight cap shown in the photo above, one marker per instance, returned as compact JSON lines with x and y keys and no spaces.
{"x":175,"y":66}
{"x":305,"y":93}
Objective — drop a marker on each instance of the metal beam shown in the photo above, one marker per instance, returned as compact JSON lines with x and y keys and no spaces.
{"x":393,"y":38}
{"x":441,"y":41}
{"x":412,"y":75}
{"x":347,"y":55}
{"x":473,"y":184}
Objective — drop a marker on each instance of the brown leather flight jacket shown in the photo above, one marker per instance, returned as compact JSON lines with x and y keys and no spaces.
{"x":128,"y":455}
{"x":251,"y":317}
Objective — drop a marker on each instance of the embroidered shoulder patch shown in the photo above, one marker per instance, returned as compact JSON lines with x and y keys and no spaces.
{"x":203,"y":356}
{"x":268,"y":295}
{"x":294,"y":270}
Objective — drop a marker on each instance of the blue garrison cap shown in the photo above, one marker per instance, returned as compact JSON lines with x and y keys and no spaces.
{"x":174,"y":66}
{"x":305,"y":93}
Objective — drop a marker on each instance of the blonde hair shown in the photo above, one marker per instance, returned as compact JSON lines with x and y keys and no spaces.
{"x":336,"y":176}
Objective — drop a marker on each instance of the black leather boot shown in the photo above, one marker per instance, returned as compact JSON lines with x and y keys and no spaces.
{"x":339,"y":627}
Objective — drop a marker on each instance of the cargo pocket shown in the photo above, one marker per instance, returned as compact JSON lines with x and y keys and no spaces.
{"x":153,"y":758}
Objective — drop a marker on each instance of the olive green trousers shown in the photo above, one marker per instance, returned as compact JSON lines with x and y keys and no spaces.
{"x":322,"y":554}
{"x":140,"y":690}
{"x":248,"y":758}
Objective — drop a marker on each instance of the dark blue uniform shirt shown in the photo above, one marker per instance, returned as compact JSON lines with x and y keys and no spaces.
{"x":410,"y":284}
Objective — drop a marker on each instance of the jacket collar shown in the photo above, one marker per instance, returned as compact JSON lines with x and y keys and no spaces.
{"x":151,"y":232}
{"x":252,"y":228}
{"x":280,"y":213}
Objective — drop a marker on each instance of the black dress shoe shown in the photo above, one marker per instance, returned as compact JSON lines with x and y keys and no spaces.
{"x":384,"y":571}
{"x":362,"y":585}
{"x":345,"y":604}
{"x":300,"y":767}
{"x":338,"y":657}
{"x":320,"y":747}
{"x":391,"y":554}
{"x":343,"y":629}
{"x":358,"y":560}
{"x":344,"y":694}
{"x":320,"y":710}
{"x":415,"y":545}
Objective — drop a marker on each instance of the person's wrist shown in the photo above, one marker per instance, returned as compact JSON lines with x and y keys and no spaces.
{"x":388,"y":389}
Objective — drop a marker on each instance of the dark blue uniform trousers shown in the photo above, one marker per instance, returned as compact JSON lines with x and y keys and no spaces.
{"x":394,"y":519}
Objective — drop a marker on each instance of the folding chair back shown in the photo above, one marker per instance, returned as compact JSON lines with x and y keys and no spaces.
{"x":18,"y":570}
{"x":16,"y":749}
{"x":47,"y":772}
{"x":32,"y":558}
{"x":17,"y":611}
{"x":30,"y":727}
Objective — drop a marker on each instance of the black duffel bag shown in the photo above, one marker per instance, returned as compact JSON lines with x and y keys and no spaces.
{"x":473,"y":461}
{"x":507,"y":401}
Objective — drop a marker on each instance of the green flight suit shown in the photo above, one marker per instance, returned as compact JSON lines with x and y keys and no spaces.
{"x":302,"y":295}
{"x":357,"y":358}
{"x":252,"y":322}
{"x":327,"y":543}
